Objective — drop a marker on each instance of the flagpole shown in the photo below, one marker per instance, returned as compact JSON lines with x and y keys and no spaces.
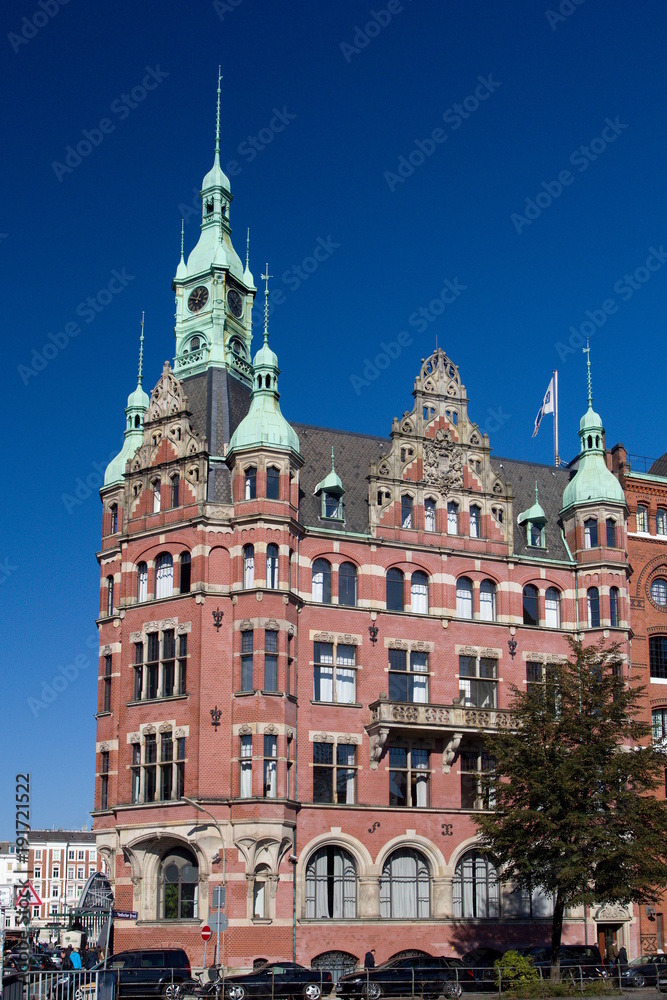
{"x":556,"y":455}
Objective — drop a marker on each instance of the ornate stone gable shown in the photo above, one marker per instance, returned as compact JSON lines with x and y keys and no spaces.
{"x":438,"y":453}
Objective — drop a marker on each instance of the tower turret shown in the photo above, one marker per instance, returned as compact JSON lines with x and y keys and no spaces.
{"x":137,"y":404}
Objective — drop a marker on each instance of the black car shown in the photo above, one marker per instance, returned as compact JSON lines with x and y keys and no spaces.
{"x":149,"y":972}
{"x":421,"y":975}
{"x":642,"y":971}
{"x":278,"y":979}
{"x":577,"y":961}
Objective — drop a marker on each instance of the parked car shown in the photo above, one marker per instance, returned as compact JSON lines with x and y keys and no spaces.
{"x":642,"y":971}
{"x":421,"y":975}
{"x":145,"y":973}
{"x":576,"y":960}
{"x":481,"y":961}
{"x":278,"y":979}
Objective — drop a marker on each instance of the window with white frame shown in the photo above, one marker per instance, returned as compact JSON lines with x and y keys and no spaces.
{"x":475,"y":521}
{"x":464,"y":597}
{"x":659,"y":591}
{"x":659,"y":724}
{"x":157,"y":499}
{"x":642,"y":518}
{"x":429,"y":514}
{"x":164,"y":575}
{"x":661,"y":521}
{"x":487,"y":601}
{"x":142,"y":582}
{"x":248,"y":566}
{"x":419,"y":593}
{"x":478,"y":681}
{"x":405,"y":886}
{"x":408,"y":676}
{"x":322,"y":581}
{"x":552,"y":608}
{"x":335,"y":674}
{"x":272,"y":567}
{"x":245,"y":766}
{"x":331,"y":885}
{"x":334,"y":772}
{"x":452,"y":518}
{"x":270,"y":766}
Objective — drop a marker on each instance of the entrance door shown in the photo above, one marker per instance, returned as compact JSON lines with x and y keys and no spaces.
{"x":608,"y":934}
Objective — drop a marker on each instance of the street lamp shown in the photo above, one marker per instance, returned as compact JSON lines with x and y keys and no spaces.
{"x":201,"y":808}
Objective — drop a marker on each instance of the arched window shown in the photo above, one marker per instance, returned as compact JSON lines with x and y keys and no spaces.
{"x":248,"y":566}
{"x":405,"y":885}
{"x":395,"y":590}
{"x":156,"y":496}
{"x":611,"y":533}
{"x":113,"y":518}
{"x":661,"y":521}
{"x":142,"y":582}
{"x":406,"y":511}
{"x":331,"y":884}
{"x":642,"y":518}
{"x":347,"y":584}
{"x":659,"y":591}
{"x":487,"y":601}
{"x":475,"y":521}
{"x":272,"y":567}
{"x":464,"y":597}
{"x":164,"y":575}
{"x":175,"y":484}
{"x":259,"y":893}
{"x":452,"y":518}
{"x":109,"y":596}
{"x":419,"y":593}
{"x":178,"y":886}
{"x":476,"y":888}
{"x":614,"y":606}
{"x":552,"y":608}
{"x":530,"y":612}
{"x":250,"y":483}
{"x":322,"y":581}
{"x":593,"y":607}
{"x":590,"y":533}
{"x":272,"y":483}
{"x":186,"y":572}
{"x":429,"y":514}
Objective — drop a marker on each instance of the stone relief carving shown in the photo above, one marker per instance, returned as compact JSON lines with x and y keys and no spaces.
{"x":377,"y":740}
{"x":450,"y":751}
{"x":443,"y":463}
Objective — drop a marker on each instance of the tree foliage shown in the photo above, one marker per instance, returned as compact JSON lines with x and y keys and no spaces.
{"x":575,"y":814}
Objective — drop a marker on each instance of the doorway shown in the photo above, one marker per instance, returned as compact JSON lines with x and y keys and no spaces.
{"x":609,"y":934}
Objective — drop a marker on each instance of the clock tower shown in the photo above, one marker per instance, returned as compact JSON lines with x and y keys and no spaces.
{"x":214,"y":291}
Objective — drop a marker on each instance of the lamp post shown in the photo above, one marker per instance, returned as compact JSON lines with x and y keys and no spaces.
{"x":201,"y":808}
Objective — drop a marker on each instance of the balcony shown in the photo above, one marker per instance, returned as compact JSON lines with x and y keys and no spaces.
{"x":452,"y":721}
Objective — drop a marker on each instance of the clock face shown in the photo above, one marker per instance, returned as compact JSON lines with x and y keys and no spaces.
{"x":235,"y":302}
{"x":198,"y":298}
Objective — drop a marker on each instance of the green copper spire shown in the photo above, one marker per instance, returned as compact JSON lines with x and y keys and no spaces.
{"x":137,"y":404}
{"x":534,"y":514}
{"x":593,"y":482}
{"x":331,"y":483}
{"x":264,"y":423}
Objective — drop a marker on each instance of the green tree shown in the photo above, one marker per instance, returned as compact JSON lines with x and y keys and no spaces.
{"x":575,"y":814}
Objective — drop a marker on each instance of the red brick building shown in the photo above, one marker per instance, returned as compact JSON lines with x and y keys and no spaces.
{"x":305,"y":631}
{"x":646,"y":496}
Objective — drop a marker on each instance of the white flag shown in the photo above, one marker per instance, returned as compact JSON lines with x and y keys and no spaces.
{"x":546,"y":407}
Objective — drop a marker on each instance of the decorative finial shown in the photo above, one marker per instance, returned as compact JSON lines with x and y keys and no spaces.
{"x":332,"y":459}
{"x":217,"y":118}
{"x":265,"y":277}
{"x":536,"y":491}
{"x":141,"y":352}
{"x":182,"y":237}
{"x":587,"y":352}
{"x":247,"y":251}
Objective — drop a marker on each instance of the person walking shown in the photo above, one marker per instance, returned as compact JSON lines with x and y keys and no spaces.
{"x":369,"y":959}
{"x":65,"y":960}
{"x":75,"y":959}
{"x":612,"y":954}
{"x":622,"y":955}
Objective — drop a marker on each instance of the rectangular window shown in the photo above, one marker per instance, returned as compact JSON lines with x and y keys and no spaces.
{"x":334,"y":773}
{"x":174,"y":491}
{"x":452,"y":518}
{"x":406,"y":511}
{"x":136,"y":772}
{"x":270,"y":661}
{"x":70,"y":873}
{"x":270,"y":767}
{"x":408,"y":677}
{"x":642,"y":518}
{"x":106,"y":695}
{"x":179,"y":768}
{"x":590,"y":533}
{"x":138,"y":669}
{"x":657,"y":651}
{"x":661,"y":521}
{"x":408,"y":777}
{"x":168,"y":663}
{"x":153,"y":665}
{"x":182,"y":663}
{"x":166,"y":766}
{"x":335,"y":673}
{"x":246,"y":661}
{"x":104,"y":777}
{"x":473,"y":794}
{"x":79,"y":874}
{"x":150,"y":767}
{"x":478,"y":681}
{"x":475,"y":522}
{"x":611,"y":533}
{"x":245,"y":767}
{"x":429,"y":514}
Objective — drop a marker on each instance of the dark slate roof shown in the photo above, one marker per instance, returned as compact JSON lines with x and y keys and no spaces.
{"x":659,"y":467}
{"x":353,"y":454}
{"x":219,"y":402}
{"x":551,"y":482}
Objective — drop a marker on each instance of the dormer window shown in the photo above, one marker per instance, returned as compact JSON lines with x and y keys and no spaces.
{"x":331,"y":491}
{"x":332,"y":505}
{"x":535,"y":535}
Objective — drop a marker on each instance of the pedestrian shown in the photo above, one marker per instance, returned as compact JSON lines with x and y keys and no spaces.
{"x":369,"y":959}
{"x":612,"y":954}
{"x":99,"y":957}
{"x":622,"y":955}
{"x":65,"y":960}
{"x":75,"y":958}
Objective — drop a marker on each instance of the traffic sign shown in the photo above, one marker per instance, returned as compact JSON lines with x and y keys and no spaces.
{"x":125,"y":915}
{"x":206,"y":933}
{"x":219,"y":921}
{"x":27,"y":896}
{"x":218,"y":897}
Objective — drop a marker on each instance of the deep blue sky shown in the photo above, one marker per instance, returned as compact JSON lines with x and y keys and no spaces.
{"x":322,"y":178}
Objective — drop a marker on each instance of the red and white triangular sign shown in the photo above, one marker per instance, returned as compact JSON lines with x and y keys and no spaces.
{"x":28,"y":896}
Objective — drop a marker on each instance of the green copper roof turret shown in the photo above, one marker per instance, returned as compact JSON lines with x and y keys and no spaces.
{"x":331,"y":483}
{"x":137,"y":404}
{"x":534,"y":514}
